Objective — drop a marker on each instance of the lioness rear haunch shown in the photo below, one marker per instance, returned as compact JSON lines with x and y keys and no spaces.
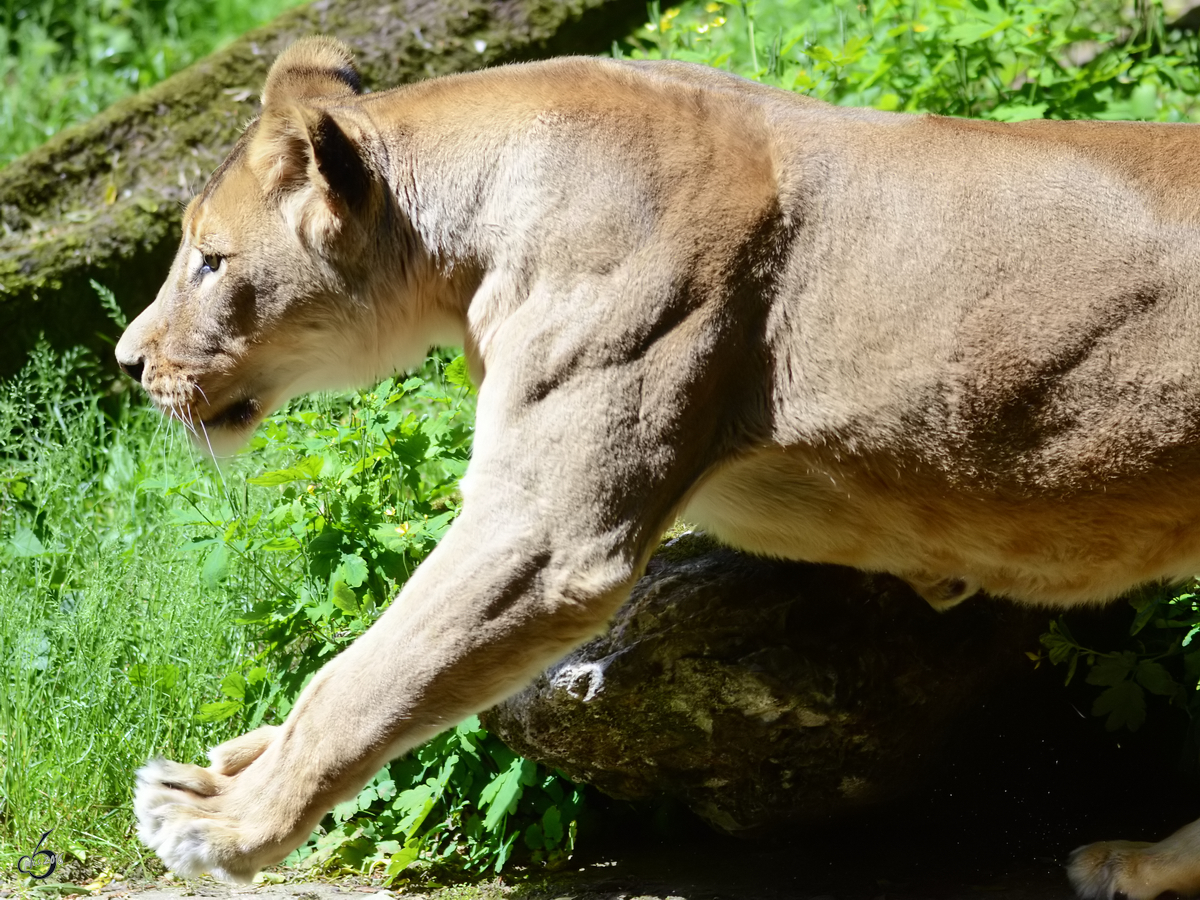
{"x":964,"y":352}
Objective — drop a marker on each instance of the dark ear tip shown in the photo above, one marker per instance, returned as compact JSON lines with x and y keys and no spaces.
{"x":312,"y":67}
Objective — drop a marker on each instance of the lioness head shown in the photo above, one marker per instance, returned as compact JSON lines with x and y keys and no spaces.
{"x":296,"y":271}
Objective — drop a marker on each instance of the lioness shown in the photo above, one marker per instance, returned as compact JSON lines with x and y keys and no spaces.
{"x":964,"y":352}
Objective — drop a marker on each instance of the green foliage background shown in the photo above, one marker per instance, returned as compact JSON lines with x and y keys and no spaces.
{"x":151,"y":605}
{"x":62,"y":61}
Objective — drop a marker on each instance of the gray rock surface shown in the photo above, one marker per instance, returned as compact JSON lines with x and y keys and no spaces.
{"x":760,"y":692}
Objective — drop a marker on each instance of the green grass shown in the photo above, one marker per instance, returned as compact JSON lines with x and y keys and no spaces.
{"x":62,"y":61}
{"x":108,"y":641}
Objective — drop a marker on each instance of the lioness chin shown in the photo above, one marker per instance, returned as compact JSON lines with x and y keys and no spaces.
{"x":962,"y":352}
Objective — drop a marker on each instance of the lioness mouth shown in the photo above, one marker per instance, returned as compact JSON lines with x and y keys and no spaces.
{"x":238,"y":414}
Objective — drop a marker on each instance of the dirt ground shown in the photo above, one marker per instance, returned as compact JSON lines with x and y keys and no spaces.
{"x":992,"y":851}
{"x":769,"y":874}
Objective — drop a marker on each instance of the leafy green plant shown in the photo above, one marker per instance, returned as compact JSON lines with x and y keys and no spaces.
{"x":350,"y":502}
{"x":470,"y":803}
{"x":1162,"y":658}
{"x":989,"y":58}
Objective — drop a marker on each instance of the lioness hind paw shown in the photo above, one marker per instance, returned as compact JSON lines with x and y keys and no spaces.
{"x":1109,"y":870}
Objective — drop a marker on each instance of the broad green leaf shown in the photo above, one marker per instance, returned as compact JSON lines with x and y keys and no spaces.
{"x":361,"y":465}
{"x":216,"y":566}
{"x":353,"y":569}
{"x":534,"y":839}
{"x":277,"y":477}
{"x":216,"y":712}
{"x":1145,"y":613}
{"x":418,"y":802}
{"x":1124,"y":704}
{"x":401,"y":860}
{"x":343,"y":598}
{"x":26,"y":543}
{"x":1112,"y":671}
{"x":344,"y":810}
{"x":234,"y":685}
{"x":504,"y":793}
{"x":310,"y":465}
{"x":552,"y":826}
{"x":505,"y":851}
{"x":1156,"y":679}
{"x":457,"y":375}
{"x":277,"y":544}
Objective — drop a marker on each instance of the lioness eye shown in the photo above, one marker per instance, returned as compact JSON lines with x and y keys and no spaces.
{"x":211,"y":261}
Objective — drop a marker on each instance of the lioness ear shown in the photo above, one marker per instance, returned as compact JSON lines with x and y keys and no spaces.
{"x":310,"y":68}
{"x":296,"y":147}
{"x":297,"y":144}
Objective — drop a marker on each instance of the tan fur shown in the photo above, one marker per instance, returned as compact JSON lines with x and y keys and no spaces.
{"x":963,"y":352}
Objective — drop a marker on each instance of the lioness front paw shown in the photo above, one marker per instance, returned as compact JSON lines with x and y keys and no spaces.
{"x":1116,"y":868}
{"x":192,"y":818}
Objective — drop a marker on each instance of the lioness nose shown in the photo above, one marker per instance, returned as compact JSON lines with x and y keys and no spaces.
{"x":133,"y":369}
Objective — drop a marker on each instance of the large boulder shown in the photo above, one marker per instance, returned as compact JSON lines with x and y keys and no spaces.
{"x":759,"y":691}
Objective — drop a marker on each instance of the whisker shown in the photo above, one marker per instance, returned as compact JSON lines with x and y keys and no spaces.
{"x":217,"y":465}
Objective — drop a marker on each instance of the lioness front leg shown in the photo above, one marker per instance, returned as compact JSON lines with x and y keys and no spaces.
{"x":554,"y":530}
{"x":1139,"y":871}
{"x":481,"y":617}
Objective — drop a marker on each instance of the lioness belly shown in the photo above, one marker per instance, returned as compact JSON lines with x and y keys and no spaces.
{"x":1062,"y":551}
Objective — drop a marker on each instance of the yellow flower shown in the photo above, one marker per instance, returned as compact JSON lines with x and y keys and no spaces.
{"x":918,"y":27}
{"x":717,"y":22}
{"x":712,"y":7}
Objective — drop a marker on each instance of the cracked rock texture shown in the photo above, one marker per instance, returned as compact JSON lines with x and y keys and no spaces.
{"x":760,"y":692}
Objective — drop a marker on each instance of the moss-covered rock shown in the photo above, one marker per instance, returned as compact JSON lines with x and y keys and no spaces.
{"x":102,"y":200}
{"x":760,"y":692}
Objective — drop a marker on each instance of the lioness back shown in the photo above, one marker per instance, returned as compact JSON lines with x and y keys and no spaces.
{"x":980,"y":364}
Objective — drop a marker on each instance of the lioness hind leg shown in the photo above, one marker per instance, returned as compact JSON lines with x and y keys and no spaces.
{"x":1139,"y":871}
